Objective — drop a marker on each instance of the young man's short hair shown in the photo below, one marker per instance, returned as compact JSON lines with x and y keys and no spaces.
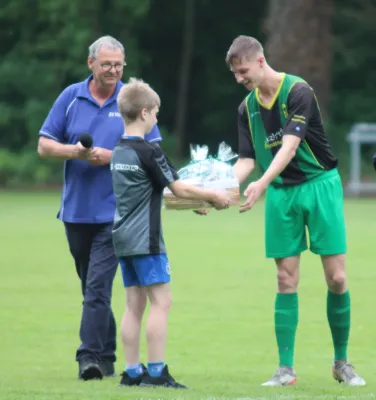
{"x":135,"y":96}
{"x":243,"y":47}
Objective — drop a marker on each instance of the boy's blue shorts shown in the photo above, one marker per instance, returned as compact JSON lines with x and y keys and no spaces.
{"x":145,"y":270}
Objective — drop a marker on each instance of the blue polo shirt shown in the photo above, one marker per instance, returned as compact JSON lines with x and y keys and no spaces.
{"x":87,"y":194}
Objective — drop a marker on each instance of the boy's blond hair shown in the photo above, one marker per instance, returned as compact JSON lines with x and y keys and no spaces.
{"x":135,"y":96}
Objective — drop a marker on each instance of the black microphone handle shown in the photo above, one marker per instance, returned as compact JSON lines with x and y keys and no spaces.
{"x":86,"y":140}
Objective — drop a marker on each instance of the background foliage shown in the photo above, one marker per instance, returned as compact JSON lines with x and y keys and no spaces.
{"x":179,"y":48}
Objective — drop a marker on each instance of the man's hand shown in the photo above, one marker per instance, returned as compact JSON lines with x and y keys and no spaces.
{"x":253,"y":193}
{"x":80,"y":152}
{"x":99,"y":156}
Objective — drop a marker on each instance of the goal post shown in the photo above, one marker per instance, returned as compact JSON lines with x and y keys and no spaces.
{"x":360,"y":134}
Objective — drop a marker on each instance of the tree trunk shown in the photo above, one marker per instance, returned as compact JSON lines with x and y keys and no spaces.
{"x":299,"y":42}
{"x":184,"y":78}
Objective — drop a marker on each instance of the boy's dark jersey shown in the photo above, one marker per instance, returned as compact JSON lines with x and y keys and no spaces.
{"x":140,"y":172}
{"x":293,"y":111}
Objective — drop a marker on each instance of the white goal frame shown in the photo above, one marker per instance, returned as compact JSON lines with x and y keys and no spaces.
{"x":360,"y":133}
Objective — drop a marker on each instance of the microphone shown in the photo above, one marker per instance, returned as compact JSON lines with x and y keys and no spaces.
{"x":374,"y":161}
{"x":86,"y":140}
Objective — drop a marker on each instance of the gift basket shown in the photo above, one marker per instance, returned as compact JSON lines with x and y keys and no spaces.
{"x":207,"y":172}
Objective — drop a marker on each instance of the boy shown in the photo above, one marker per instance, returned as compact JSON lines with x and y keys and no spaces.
{"x":140,"y":172}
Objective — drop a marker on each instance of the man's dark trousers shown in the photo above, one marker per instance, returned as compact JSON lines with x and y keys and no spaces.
{"x":96,"y":264}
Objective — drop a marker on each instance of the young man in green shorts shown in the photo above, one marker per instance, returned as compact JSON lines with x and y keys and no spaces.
{"x":280,"y":126}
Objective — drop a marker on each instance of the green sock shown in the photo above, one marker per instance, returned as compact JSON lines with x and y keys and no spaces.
{"x":338,"y":312}
{"x":286,"y":322}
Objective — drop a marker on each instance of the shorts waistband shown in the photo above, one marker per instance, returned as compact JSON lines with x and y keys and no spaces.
{"x":322,"y":177}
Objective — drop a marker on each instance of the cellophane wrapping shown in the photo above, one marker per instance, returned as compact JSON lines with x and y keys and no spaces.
{"x":206,"y":172}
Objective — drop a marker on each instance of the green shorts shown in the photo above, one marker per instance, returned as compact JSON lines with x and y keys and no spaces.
{"x":315,"y":206}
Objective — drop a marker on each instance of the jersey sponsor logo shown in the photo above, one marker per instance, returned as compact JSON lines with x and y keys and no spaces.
{"x":114,"y":114}
{"x":124,"y":167}
{"x":274,"y":140}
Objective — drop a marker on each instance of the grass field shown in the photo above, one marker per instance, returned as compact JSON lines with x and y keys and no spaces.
{"x":221,"y":339}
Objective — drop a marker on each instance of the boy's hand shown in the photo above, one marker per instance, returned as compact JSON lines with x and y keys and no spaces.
{"x":202,"y":212}
{"x":221,"y":200}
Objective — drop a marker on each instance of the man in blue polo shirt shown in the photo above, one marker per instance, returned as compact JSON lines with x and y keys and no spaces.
{"x":87,"y":200}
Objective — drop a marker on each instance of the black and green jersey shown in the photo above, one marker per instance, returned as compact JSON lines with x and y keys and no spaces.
{"x":293,"y":111}
{"x":140,"y":172}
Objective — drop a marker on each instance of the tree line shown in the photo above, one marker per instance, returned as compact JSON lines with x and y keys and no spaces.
{"x":179,"y":48}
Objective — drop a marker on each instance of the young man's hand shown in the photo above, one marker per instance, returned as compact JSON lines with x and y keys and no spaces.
{"x":253,"y":193}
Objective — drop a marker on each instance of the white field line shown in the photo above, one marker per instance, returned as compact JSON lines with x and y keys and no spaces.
{"x":280,"y":397}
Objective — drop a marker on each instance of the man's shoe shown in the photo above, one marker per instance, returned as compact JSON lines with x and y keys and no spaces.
{"x":89,"y":369}
{"x":108,"y":369}
{"x":344,"y":373}
{"x":165,"y":380}
{"x":284,"y":376}
{"x":126,"y":380}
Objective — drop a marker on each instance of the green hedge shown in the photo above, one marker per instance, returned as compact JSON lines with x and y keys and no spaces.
{"x":27,"y":169}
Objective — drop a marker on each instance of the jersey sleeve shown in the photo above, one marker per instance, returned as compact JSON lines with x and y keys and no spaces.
{"x":245,"y":144}
{"x":300,"y":105}
{"x":160,"y":168}
{"x":154,"y":135}
{"x":55,"y":124}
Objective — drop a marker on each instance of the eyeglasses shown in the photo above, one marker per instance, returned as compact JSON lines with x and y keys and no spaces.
{"x":108,"y":67}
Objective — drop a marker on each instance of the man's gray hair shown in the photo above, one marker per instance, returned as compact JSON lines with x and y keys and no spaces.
{"x":107,"y":42}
